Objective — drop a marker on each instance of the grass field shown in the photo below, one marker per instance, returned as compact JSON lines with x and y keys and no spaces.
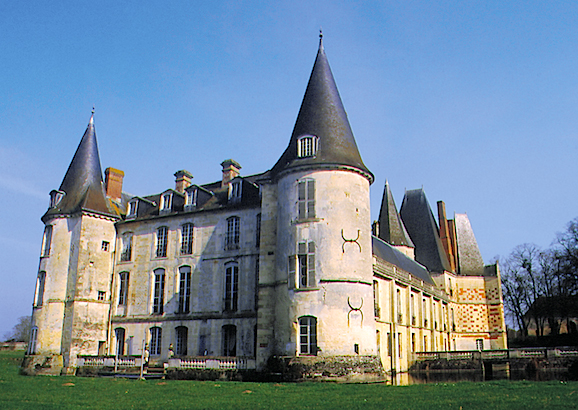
{"x":43,"y":392}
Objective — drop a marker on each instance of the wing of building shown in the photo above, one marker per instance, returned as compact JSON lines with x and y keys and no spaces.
{"x":281,"y":264}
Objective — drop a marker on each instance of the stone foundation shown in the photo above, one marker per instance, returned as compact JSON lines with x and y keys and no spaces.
{"x":47,"y":365}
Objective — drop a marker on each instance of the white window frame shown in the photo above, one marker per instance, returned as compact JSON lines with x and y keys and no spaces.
{"x":156,"y":340}
{"x":162,"y":241}
{"x":231,"y":291}
{"x":232,"y":236}
{"x":185,"y":280}
{"x":308,"y":336}
{"x":132,"y":208}
{"x":235,"y":190}
{"x":123,"y":278}
{"x":158,"y":294}
{"x":166,"y":202}
{"x":307,"y":146}
{"x":47,"y":240}
{"x":187,"y":236}
{"x":40,"y":287}
{"x":119,"y":335}
{"x":33,"y":341}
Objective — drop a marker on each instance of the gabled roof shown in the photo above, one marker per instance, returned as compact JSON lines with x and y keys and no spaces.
{"x":322,"y":115}
{"x":421,"y":225}
{"x":470,"y":260}
{"x":391,"y":228}
{"x":82,"y":184}
{"x":389,"y":254}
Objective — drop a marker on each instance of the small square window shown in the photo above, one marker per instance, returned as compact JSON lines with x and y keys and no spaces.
{"x":101,"y":295}
{"x":105,"y":246}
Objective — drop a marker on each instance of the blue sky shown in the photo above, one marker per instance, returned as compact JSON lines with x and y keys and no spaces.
{"x":474,"y":101}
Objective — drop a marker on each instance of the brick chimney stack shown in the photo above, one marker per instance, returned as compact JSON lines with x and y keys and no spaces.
{"x":113,"y":183}
{"x":182,"y":180}
{"x":230,"y":170}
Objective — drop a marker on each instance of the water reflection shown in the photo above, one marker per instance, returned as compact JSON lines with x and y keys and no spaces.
{"x":494,"y":373}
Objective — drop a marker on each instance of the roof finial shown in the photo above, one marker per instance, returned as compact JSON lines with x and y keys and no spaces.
{"x":320,"y":38}
{"x":91,"y":122}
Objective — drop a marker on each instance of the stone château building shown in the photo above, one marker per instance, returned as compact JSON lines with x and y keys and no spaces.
{"x":282,"y":263}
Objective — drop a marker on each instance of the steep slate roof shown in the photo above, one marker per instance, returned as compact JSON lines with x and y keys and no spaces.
{"x":391,"y":228}
{"x":82,"y":184}
{"x":389,"y":254}
{"x":322,"y":114}
{"x":470,"y":260}
{"x":418,"y":218}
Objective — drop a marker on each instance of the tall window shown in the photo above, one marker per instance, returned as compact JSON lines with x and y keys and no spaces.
{"x":182,"y":340}
{"x":306,"y":258}
{"x":229,"y":340}
{"x":231,"y":287}
{"x":162,"y":242}
{"x":258,"y":231}
{"x":122,"y":288}
{"x":306,"y":198}
{"x":156,"y":341}
{"x":308,"y":335}
{"x":187,"y":239}
{"x":376,"y":308}
{"x":40,"y":284}
{"x":126,"y":252}
{"x":33,"y":340}
{"x":412,"y":309}
{"x":232,"y":236}
{"x":119,"y":335}
{"x":47,"y":240}
{"x":184,"y":289}
{"x":159,"y":291}
{"x":166,"y":201}
{"x":307,"y":146}
{"x":399,"y":312}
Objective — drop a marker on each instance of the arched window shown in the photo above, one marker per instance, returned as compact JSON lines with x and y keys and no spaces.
{"x":187,"y":239}
{"x":184,"y":289}
{"x":182,"y":334}
{"x":231,"y":287}
{"x":307,"y":146}
{"x":229,"y":340}
{"x":119,"y":335}
{"x":308,"y":335}
{"x":40,"y":284}
{"x":156,"y":341}
{"x":159,"y":291}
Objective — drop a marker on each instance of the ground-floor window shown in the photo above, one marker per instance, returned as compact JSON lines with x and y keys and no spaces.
{"x":119,"y":335}
{"x":156,"y":341}
{"x":479,"y":344}
{"x":308,"y":335}
{"x":182,"y":340}
{"x":229,"y":340}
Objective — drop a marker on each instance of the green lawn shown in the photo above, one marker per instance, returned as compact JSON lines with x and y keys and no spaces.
{"x":43,"y":392}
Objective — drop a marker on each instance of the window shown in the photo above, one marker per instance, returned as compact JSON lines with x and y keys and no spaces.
{"x":308,"y":335}
{"x":307,"y":146}
{"x":132,"y":209}
{"x":40,"y":284}
{"x":235,"y":191}
{"x":229,"y":340}
{"x":399,"y":311}
{"x":101,"y":295}
{"x":162,"y":242}
{"x":389,"y":344}
{"x":182,"y":333}
{"x":166,"y":201}
{"x":126,"y":252}
{"x":187,"y":239}
{"x":203,"y":349}
{"x":232,"y":236}
{"x":413,"y":342}
{"x":47,"y":240}
{"x":453,"y":321}
{"x":376,"y":308}
{"x":156,"y":341}
{"x":33,"y":340}
{"x":191,"y":197}
{"x":105,"y":246}
{"x":258,"y":231}
{"x":306,"y":198}
{"x":184,"y":289}
{"x":231,"y":287}
{"x":159,"y":291}
{"x":55,"y":198}
{"x":399,"y":344}
{"x":412,"y":309}
{"x":122,"y":288}
{"x":119,"y":335}
{"x":306,"y":266}
{"x":479,"y":344}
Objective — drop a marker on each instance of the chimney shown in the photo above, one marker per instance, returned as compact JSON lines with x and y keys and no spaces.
{"x":182,"y":180}
{"x":445,"y":235}
{"x":230,"y":170}
{"x":113,"y":183}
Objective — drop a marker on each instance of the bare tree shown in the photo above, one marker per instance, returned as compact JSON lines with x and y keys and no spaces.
{"x":21,"y":331}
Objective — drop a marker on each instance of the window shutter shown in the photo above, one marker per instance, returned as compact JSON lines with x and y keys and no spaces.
{"x":311,"y":270}
{"x":292,"y":262}
{"x":310,"y":198}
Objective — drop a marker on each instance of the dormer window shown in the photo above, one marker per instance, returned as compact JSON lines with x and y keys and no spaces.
{"x":55,"y":198}
{"x":235,"y":189}
{"x":191,"y":198}
{"x":166,"y":202}
{"x":132,"y":209}
{"x":307,"y":146}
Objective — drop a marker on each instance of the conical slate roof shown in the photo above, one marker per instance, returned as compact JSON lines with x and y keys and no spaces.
{"x":322,"y":115}
{"x":470,"y":260}
{"x":421,"y":225}
{"x":82,"y":184}
{"x":391,"y":228}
